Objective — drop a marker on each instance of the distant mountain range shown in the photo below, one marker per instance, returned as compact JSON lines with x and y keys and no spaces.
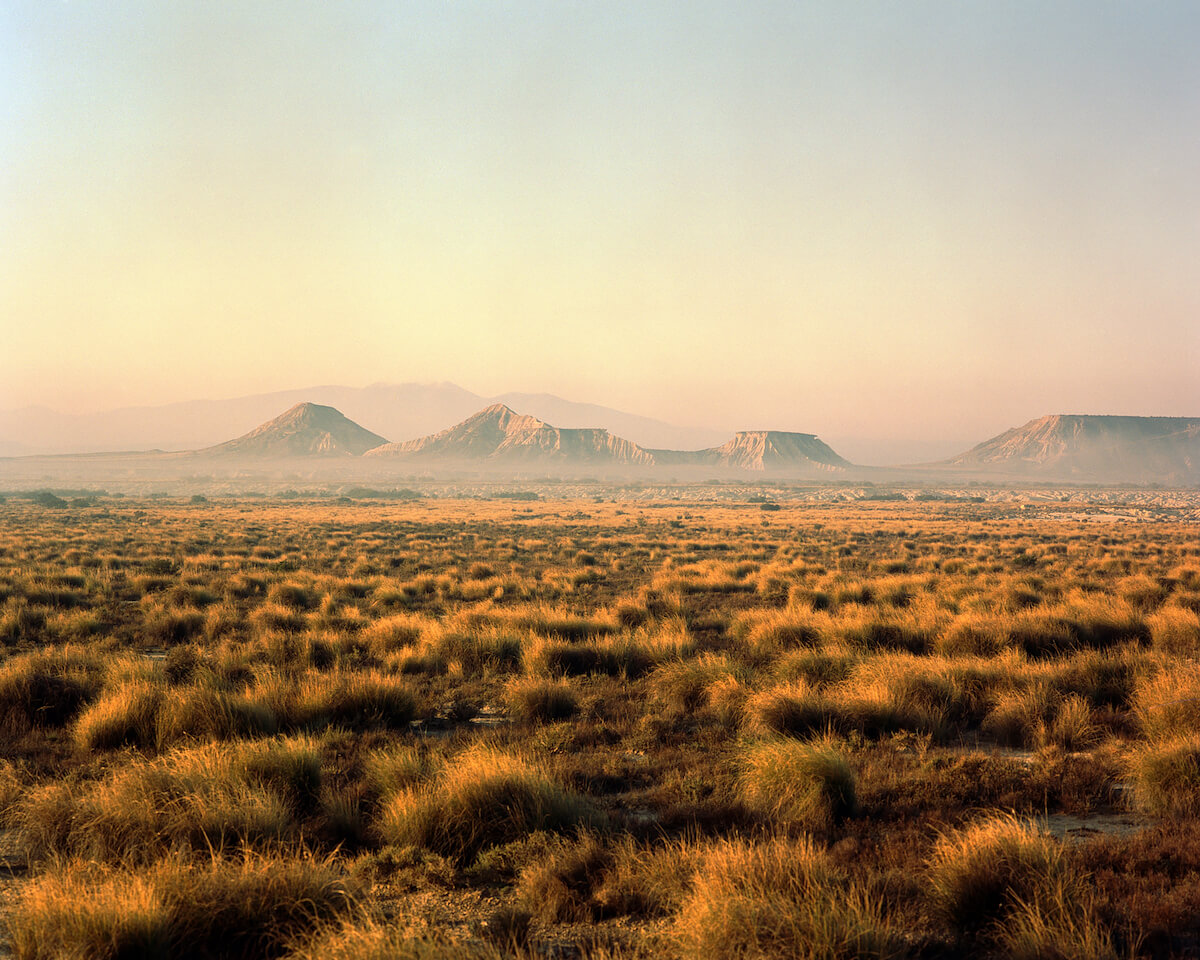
{"x":1063,"y":447}
{"x":1081,"y":448}
{"x":498,"y":435}
{"x":499,"y":438}
{"x":401,"y":411}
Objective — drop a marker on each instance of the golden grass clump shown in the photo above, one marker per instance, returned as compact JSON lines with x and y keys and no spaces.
{"x":1176,"y":631}
{"x":1074,"y":726}
{"x":293,"y":596}
{"x":254,"y":906}
{"x":613,"y":656}
{"x":388,"y":634}
{"x":1165,"y":776}
{"x":778,"y":899}
{"x":354,"y":699}
{"x":397,"y":767}
{"x":126,"y":715}
{"x":685,"y":687}
{"x":46,"y":688}
{"x":1057,"y":922}
{"x":973,"y":635}
{"x":538,"y":700}
{"x":799,"y":709}
{"x":476,"y":650}
{"x":546,"y":621}
{"x":768,"y":633}
{"x":276,"y":617}
{"x":591,"y":879}
{"x":1019,"y":717}
{"x":821,"y":668}
{"x":912,"y":630}
{"x":977,"y":874}
{"x":369,"y":939}
{"x":212,"y":797}
{"x":807,"y":785}
{"x":1166,"y":702}
{"x":147,"y":714}
{"x":166,"y":626}
{"x":1001,"y":880}
{"x":482,"y":798}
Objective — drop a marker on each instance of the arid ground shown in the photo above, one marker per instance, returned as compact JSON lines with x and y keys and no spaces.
{"x":737,"y":727}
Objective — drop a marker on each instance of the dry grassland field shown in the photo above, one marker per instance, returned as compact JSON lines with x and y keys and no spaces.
{"x":492,"y":728}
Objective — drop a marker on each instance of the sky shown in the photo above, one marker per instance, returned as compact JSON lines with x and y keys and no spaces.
{"x":906,"y":220}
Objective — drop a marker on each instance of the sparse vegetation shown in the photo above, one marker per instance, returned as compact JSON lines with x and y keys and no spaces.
{"x":637,"y":728}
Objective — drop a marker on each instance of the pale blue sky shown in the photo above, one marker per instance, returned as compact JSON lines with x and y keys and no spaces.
{"x":872,"y":218}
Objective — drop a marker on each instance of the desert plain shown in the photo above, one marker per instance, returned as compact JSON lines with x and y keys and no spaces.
{"x":718,"y":720}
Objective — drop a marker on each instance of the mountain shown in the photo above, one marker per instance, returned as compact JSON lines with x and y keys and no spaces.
{"x":305,"y":430}
{"x":400,"y":410}
{"x":645,"y":431}
{"x":771,"y":450}
{"x":1104,"y":449}
{"x":499,"y":435}
{"x":760,"y":451}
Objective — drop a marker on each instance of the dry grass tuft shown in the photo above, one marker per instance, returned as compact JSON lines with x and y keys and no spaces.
{"x":778,"y":899}
{"x":482,"y":798}
{"x":536,"y":700}
{"x":48,"y":687}
{"x":1165,"y":776}
{"x":998,"y":879}
{"x":591,"y":880}
{"x":212,"y":797}
{"x":252,"y":907}
{"x":796,"y":784}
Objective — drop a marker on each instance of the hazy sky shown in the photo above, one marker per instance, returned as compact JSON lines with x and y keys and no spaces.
{"x":884,"y":219}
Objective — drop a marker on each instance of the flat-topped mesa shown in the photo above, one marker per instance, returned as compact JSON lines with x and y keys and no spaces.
{"x":766,"y":450}
{"x":761,"y":451}
{"x":498,"y":434}
{"x":305,"y":430}
{"x":1092,"y":447}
